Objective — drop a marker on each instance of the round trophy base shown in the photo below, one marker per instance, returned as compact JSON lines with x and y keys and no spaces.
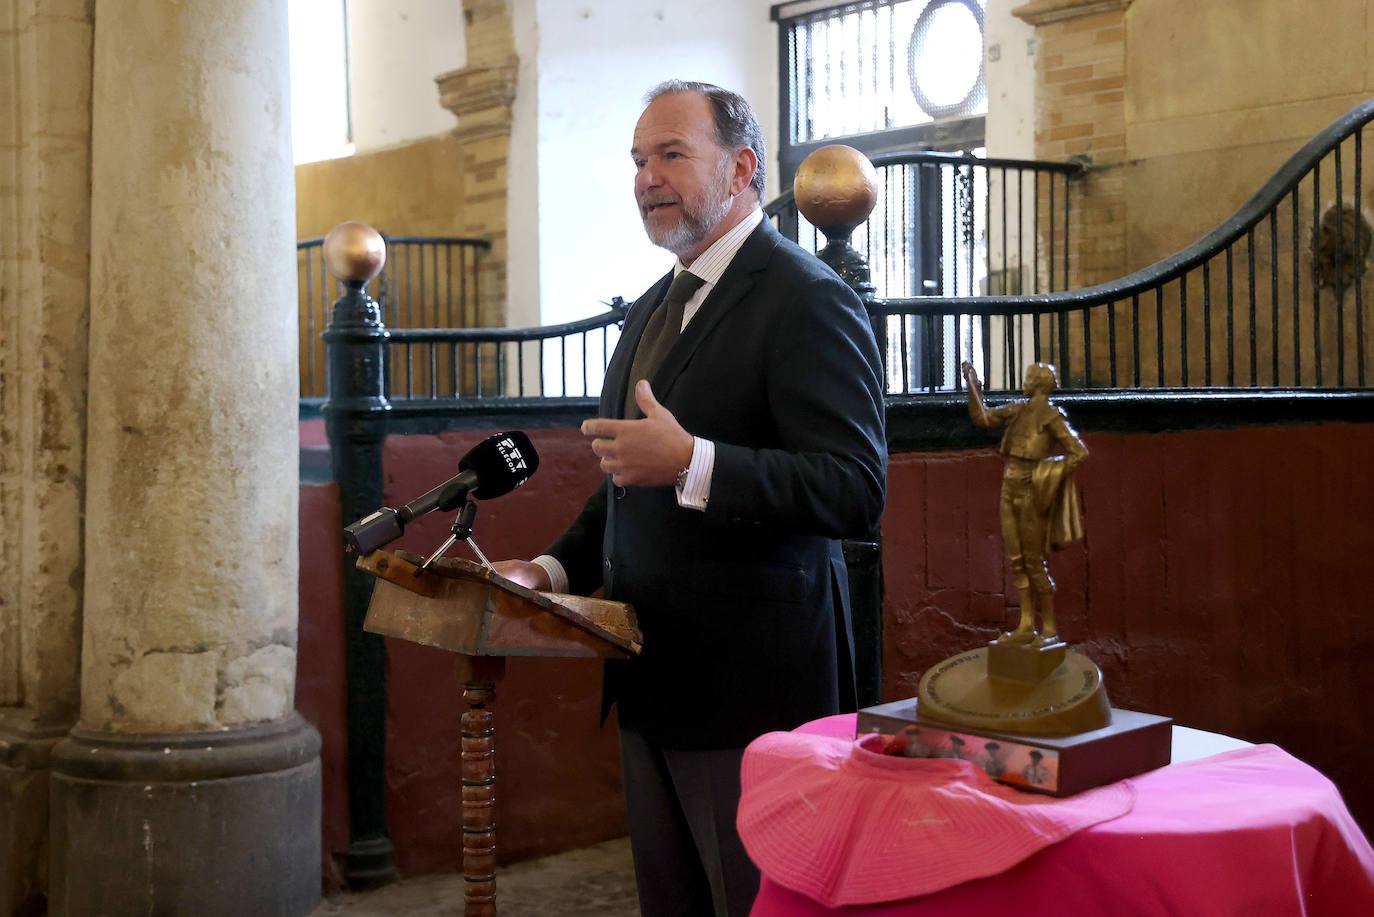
{"x":1067,"y":700}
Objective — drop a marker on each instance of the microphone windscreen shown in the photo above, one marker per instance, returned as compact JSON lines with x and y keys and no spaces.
{"x":501,"y":462}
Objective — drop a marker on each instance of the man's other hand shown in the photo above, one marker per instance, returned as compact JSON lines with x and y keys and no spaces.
{"x":648,"y":452}
{"x":525,"y":573}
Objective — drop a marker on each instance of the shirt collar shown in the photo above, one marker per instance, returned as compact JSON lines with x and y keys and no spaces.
{"x":711,"y":264}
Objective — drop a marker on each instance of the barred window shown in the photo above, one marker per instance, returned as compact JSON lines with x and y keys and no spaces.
{"x":881,"y":75}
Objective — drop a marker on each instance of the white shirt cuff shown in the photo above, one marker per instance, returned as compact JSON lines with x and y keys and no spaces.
{"x":558,"y":577}
{"x":697,"y":487}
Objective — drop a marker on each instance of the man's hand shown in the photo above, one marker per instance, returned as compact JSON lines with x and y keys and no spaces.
{"x":525,"y":573}
{"x":648,"y":452}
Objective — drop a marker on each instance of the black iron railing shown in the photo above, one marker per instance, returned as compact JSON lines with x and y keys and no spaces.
{"x":553,"y":361}
{"x":1271,"y":298}
{"x":428,"y":282}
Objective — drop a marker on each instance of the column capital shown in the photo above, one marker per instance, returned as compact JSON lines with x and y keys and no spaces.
{"x":1043,"y":12}
{"x":480,"y":97}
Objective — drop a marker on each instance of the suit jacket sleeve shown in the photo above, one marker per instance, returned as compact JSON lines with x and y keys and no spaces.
{"x":824,"y":388}
{"x":579,"y":548}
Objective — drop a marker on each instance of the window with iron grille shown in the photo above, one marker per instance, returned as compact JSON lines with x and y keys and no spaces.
{"x":880,"y":75}
{"x":887,"y":76}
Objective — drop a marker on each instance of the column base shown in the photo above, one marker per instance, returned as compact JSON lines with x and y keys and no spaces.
{"x":216,"y":824}
{"x":25,"y":755}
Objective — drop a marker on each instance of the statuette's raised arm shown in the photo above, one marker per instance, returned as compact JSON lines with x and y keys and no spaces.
{"x":976,"y":411}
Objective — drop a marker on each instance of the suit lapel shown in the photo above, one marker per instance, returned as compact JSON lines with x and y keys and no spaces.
{"x":617,"y":377}
{"x":737,"y":280}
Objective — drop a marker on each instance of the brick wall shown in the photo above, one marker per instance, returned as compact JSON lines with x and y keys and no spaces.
{"x":1080,"y":113}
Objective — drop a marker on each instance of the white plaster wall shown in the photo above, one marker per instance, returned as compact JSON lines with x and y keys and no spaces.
{"x":1009,"y":65}
{"x":396,"y":49}
{"x":595,"y":61}
{"x":522,"y":172}
{"x":1010,"y":69}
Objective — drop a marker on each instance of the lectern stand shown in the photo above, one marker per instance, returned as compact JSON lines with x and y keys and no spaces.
{"x":468,"y":609}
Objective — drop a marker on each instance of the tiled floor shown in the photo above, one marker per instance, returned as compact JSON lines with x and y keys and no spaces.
{"x":596,"y":881}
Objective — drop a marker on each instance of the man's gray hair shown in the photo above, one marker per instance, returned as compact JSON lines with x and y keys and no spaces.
{"x":736,"y":125}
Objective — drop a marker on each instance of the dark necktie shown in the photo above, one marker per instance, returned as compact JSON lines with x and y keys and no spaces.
{"x":660,"y":331}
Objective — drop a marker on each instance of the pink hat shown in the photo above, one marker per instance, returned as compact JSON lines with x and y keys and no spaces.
{"x":840,"y":822}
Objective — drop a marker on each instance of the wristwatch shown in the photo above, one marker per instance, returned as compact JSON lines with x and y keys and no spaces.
{"x":682,"y":476}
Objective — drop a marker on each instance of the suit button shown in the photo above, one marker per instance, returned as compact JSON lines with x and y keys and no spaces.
{"x":606,"y":562}
{"x":619,"y":492}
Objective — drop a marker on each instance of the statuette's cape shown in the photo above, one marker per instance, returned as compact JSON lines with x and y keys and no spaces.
{"x":1057,"y":497}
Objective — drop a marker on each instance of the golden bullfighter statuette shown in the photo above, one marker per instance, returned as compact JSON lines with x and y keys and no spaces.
{"x":1027,"y":681}
{"x":1027,"y":709}
{"x":1039,"y":505}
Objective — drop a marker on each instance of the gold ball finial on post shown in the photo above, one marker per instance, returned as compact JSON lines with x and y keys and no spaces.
{"x":836,"y":188}
{"x":354,"y":252}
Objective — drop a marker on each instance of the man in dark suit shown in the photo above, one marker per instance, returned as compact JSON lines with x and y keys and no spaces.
{"x":741,"y":431}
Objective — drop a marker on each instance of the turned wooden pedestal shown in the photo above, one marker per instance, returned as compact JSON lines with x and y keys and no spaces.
{"x":479,"y":787}
{"x":467,"y":609}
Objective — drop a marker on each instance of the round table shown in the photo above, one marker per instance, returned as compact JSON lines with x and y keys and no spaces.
{"x":1227,"y":829}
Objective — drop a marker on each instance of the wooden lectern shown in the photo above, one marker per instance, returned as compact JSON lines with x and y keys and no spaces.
{"x":465,"y":608}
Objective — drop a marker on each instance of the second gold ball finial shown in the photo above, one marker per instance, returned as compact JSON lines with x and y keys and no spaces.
{"x":354,"y":251}
{"x":836,"y":188}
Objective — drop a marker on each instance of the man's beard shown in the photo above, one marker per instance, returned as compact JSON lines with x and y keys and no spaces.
{"x":698,"y":216}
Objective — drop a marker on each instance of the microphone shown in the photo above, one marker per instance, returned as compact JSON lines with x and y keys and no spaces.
{"x":492,"y":468}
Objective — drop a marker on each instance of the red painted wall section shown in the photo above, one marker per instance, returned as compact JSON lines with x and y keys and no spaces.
{"x":320,"y":682}
{"x":558,"y":771}
{"x":1224,"y":580}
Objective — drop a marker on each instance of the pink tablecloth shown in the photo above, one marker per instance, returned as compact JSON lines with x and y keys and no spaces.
{"x":1247,"y":832}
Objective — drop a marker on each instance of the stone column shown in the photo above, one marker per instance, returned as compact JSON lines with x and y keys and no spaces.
{"x":44,"y":238}
{"x":190,"y":786}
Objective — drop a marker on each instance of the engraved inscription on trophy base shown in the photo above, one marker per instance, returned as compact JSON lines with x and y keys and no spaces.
{"x":964,"y":691}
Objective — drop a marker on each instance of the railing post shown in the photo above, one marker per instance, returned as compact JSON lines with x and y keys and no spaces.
{"x":355,"y":416}
{"x":836,"y":188}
